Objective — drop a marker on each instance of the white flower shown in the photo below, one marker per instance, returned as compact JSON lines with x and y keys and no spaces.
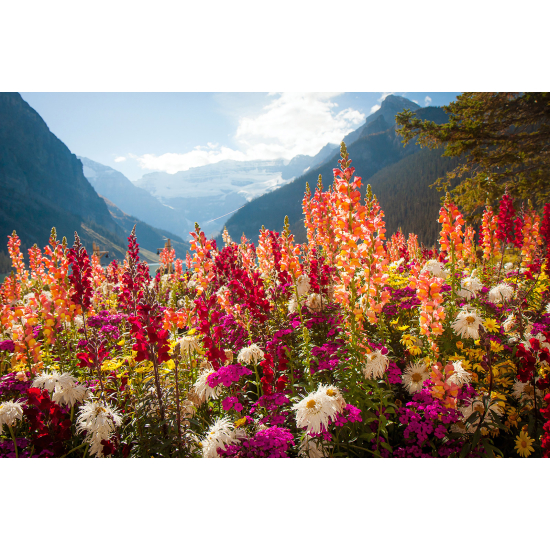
{"x":251,"y":354}
{"x":469,"y":287}
{"x":414,"y":376}
{"x":477,"y":406}
{"x":54,"y":381}
{"x":501,"y":293}
{"x":510,"y":323}
{"x":192,"y":281}
{"x":314,"y":302}
{"x":69,"y":395}
{"x":311,"y":448}
{"x":314,"y":411}
{"x":333,"y":394}
{"x":302,"y":285}
{"x":435,"y":268}
{"x":78,"y":321}
{"x":292,"y":305}
{"x":28,"y":297}
{"x":467,"y":324}
{"x":98,"y":420}
{"x":525,"y":391}
{"x":460,"y":375}
{"x":187,"y":344}
{"x":10,"y":412}
{"x":165,"y":278}
{"x":202,"y":390}
{"x":180,"y":303}
{"x":508,"y":266}
{"x":397,"y":263}
{"x":547,"y":308}
{"x":220,"y":435}
{"x":376,"y":365}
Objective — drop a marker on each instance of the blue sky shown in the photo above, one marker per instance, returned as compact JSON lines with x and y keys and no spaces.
{"x":137,"y":133}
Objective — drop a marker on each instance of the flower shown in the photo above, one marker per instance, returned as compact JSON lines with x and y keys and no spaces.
{"x":501,"y":293}
{"x":10,"y":412}
{"x":508,"y":266}
{"x":414,"y":376}
{"x":187,"y":344}
{"x":467,"y":324}
{"x":460,"y":375}
{"x":314,"y":302}
{"x":314,"y":412}
{"x":202,"y":390}
{"x":292,"y":305}
{"x":477,"y":405}
{"x":251,"y":354}
{"x":311,"y":448}
{"x":220,"y":435}
{"x":523,"y":390}
{"x":491,"y":325}
{"x":435,"y":268}
{"x":469,"y":287}
{"x":524,"y":445}
{"x":334,"y":395}
{"x":69,"y":395}
{"x":99,"y":420}
{"x":377,"y":363}
{"x":510,"y":323}
{"x":54,"y":381}
{"x":302,"y":285}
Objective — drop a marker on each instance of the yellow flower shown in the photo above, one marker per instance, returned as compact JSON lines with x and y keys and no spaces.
{"x":394,"y":322}
{"x":496,"y":347}
{"x":491,"y":325}
{"x":524,"y":445}
{"x":414,"y":350}
{"x":456,"y":357}
{"x":459,"y":344}
{"x":404,"y":327}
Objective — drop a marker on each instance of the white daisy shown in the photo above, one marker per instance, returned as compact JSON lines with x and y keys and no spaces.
{"x":311,"y":448}
{"x":251,"y":354}
{"x":334,"y":395}
{"x":376,"y":365}
{"x":69,"y":395}
{"x":220,"y":435}
{"x":78,"y":321}
{"x":98,"y":420}
{"x":292,"y":305}
{"x":187,"y":344}
{"x":460,"y":375}
{"x":302,"y":285}
{"x":54,"y":381}
{"x":524,"y":391}
{"x":414,"y":376}
{"x":510,"y":323}
{"x":477,"y":406}
{"x":202,"y":390}
{"x":435,"y":268}
{"x":501,"y":293}
{"x":469,"y":287}
{"x":314,"y":411}
{"x":508,"y":266}
{"x":467,"y":323}
{"x":10,"y":412}
{"x":314,"y":302}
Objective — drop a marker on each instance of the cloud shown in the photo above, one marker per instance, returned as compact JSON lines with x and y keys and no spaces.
{"x":292,"y":123}
{"x":414,"y":101}
{"x":374,"y":108}
{"x":427,"y":100}
{"x":385,"y":95}
{"x":120,"y":159}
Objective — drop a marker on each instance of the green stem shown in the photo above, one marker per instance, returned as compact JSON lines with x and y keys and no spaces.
{"x":14,"y":442}
{"x":75,"y":449}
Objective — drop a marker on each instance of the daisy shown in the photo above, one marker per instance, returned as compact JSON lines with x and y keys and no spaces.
{"x":251,"y":354}
{"x":501,"y":293}
{"x":302,"y":285}
{"x":54,"y":381}
{"x":435,"y":268}
{"x":187,"y":344}
{"x":376,"y":365}
{"x":467,"y":324}
{"x":508,"y":266}
{"x":97,"y":420}
{"x":524,"y":445}
{"x":314,"y":411}
{"x":523,"y":390}
{"x":477,"y":406}
{"x":219,"y":436}
{"x":202,"y":390}
{"x":469,"y":287}
{"x":311,"y":448}
{"x":292,"y":305}
{"x":10,"y":412}
{"x":334,"y":395}
{"x":460,"y":375}
{"x":69,"y":395}
{"x":314,"y":302}
{"x":414,"y":376}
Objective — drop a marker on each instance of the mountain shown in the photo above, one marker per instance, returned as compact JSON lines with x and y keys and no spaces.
{"x":135,"y":201}
{"x":43,"y":186}
{"x":148,"y":237}
{"x":372,"y":154}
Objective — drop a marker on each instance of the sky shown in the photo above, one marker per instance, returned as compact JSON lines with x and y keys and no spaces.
{"x":142,"y":132}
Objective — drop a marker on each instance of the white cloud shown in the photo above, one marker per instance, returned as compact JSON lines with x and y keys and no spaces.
{"x":414,"y":101}
{"x":385,"y":95}
{"x":292,"y":123}
{"x":374,"y":108}
{"x":427,"y":100}
{"x":120,"y":159}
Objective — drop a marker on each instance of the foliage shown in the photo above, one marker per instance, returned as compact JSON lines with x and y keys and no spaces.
{"x":503,"y":139}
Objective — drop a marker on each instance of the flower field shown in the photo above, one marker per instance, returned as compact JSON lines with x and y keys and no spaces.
{"x":351,"y":345}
